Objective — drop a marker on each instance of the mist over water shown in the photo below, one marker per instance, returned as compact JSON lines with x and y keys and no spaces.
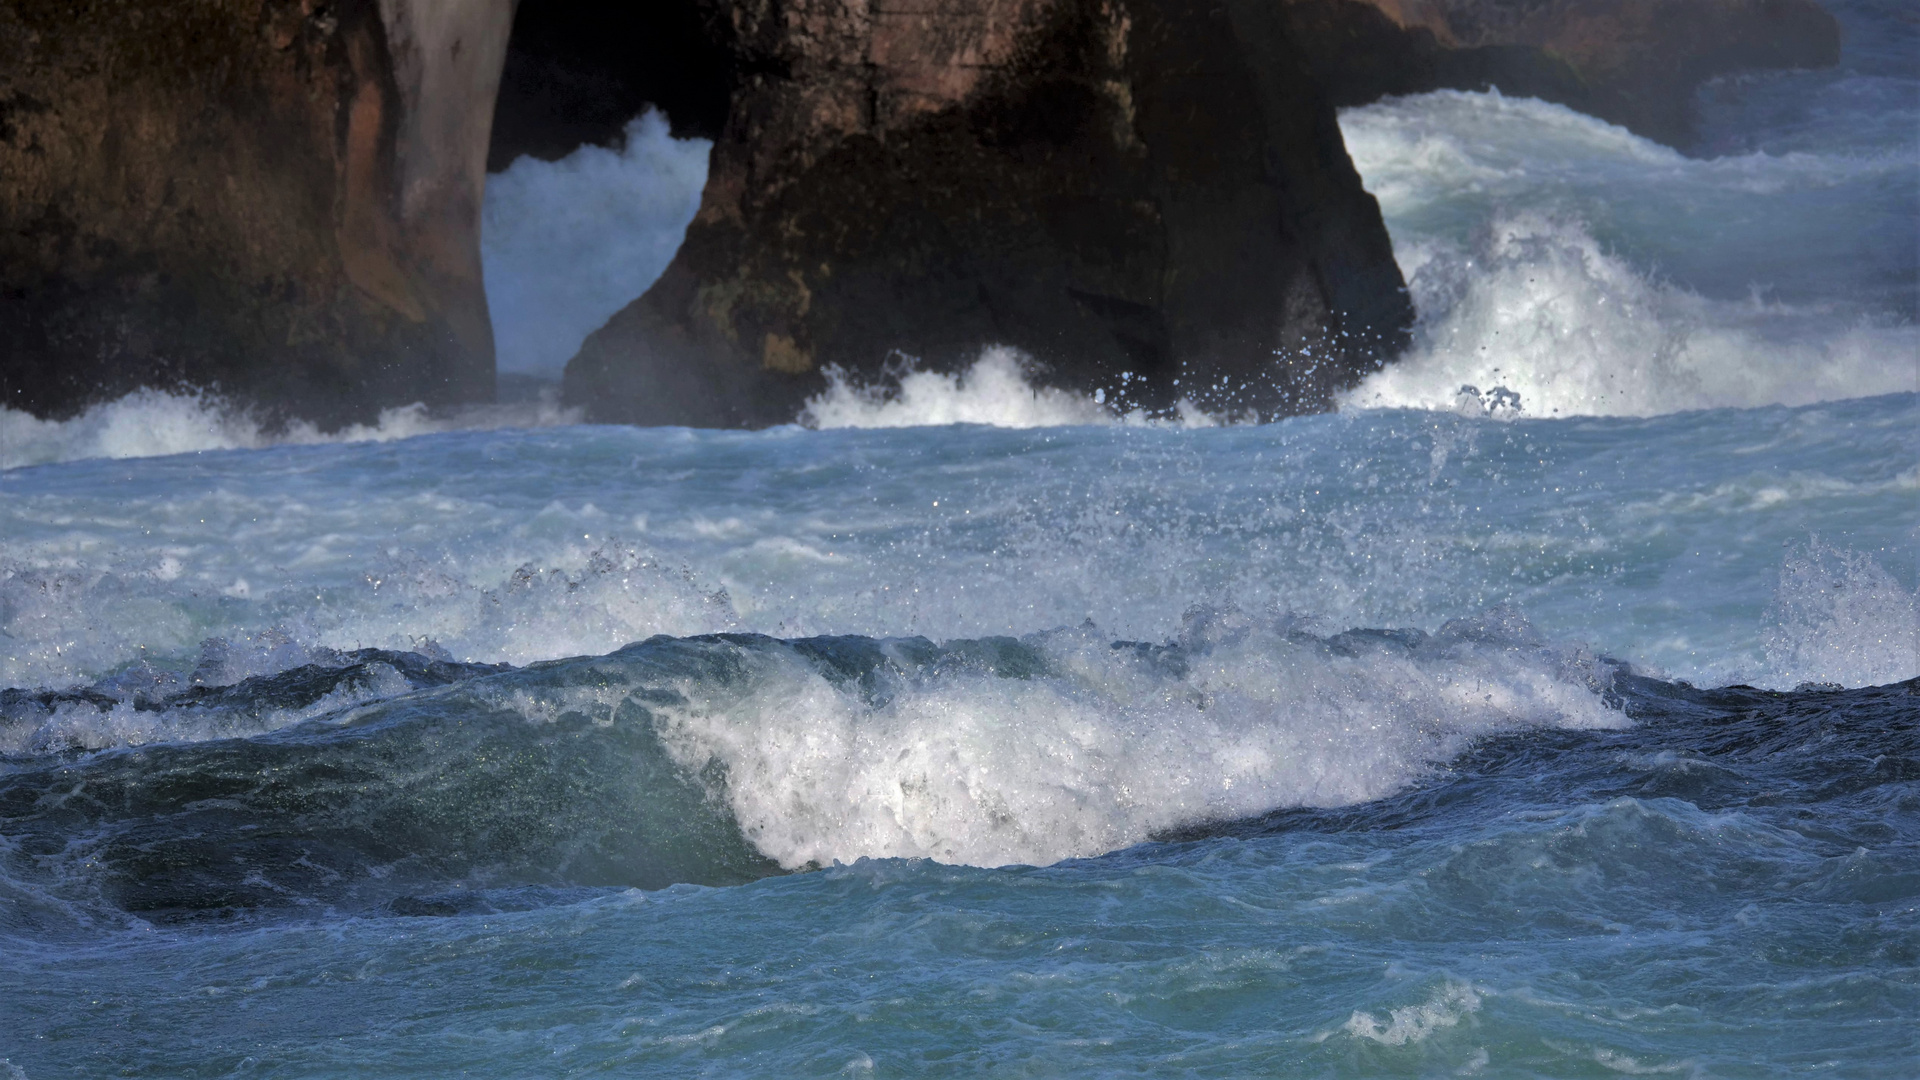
{"x":565,"y":244}
{"x":1562,"y":266}
{"x":158,"y":423}
{"x":1549,"y":710}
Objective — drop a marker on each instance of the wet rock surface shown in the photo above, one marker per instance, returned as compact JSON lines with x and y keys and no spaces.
{"x":279,"y":199}
{"x":1157,"y":189}
{"x":276,"y":199}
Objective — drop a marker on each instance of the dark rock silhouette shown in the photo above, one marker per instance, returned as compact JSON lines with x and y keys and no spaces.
{"x":275,"y":198}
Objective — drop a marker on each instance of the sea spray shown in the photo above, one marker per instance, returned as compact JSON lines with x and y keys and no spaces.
{"x":519,"y":546}
{"x":1539,"y":320}
{"x":1839,"y":618}
{"x":158,"y":423}
{"x":997,"y":389}
{"x":1561,"y":266}
{"x":1808,"y":221}
{"x":232,"y":841}
{"x":567,"y":243}
{"x":626,"y":768}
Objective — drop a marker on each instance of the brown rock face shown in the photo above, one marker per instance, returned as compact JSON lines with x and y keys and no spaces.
{"x":276,"y":198}
{"x":1154,"y":187}
{"x":1632,"y":62}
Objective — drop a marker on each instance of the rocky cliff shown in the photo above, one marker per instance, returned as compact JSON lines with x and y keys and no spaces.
{"x":280,"y":198}
{"x":1154,"y":187}
{"x":1144,"y":195}
{"x":276,"y":198}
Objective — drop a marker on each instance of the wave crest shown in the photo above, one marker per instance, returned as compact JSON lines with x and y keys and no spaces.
{"x":1540,"y":320}
{"x":996,"y":390}
{"x":156,"y":423}
{"x":721,"y":758}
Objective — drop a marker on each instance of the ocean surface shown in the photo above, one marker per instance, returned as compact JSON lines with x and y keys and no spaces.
{"x":1550,"y":710}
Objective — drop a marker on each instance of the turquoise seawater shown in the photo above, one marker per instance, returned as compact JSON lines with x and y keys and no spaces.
{"x":1548,"y":711}
{"x":1244,"y":841}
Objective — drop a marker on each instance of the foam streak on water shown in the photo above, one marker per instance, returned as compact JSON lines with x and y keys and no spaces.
{"x":156,"y":423}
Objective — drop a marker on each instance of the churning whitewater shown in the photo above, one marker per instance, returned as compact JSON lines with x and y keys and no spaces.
{"x":1548,"y":710}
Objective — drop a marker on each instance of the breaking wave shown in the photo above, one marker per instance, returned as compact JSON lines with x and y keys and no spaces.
{"x":1539,"y":320}
{"x":1067,"y":745}
{"x":721,"y":758}
{"x":155,"y":423}
{"x":1561,"y":266}
{"x":997,"y":390}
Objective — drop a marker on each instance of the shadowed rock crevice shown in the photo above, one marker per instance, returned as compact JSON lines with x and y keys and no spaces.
{"x":578,"y":70}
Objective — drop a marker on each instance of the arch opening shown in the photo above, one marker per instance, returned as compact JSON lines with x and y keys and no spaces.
{"x":598,"y":157}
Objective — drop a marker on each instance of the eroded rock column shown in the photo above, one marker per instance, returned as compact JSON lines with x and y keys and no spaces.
{"x":277,"y":199}
{"x":1152,"y":187}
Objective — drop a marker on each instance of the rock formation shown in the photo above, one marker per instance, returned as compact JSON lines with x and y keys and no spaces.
{"x":279,"y":199}
{"x":1149,"y":187}
{"x":1154,"y":187}
{"x":275,"y":198}
{"x":1635,"y":63}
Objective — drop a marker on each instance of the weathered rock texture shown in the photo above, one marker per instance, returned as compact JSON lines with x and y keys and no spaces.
{"x":1145,"y":186}
{"x":276,"y":198}
{"x":1632,"y":62}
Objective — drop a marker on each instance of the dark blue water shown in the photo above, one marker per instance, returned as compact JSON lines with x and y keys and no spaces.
{"x":1722,"y":884}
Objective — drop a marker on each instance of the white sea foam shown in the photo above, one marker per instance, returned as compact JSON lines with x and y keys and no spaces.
{"x":1365,"y":520}
{"x":1563,"y":266}
{"x":567,"y":243}
{"x":576,"y":602}
{"x":1839,"y":617}
{"x":155,"y":423}
{"x":1797,"y":222}
{"x":989,"y":770}
{"x":1446,"y":1007}
{"x":1450,"y":146}
{"x":71,"y":623}
{"x":996,"y":390}
{"x":1539,"y":320}
{"x":999,"y":389}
